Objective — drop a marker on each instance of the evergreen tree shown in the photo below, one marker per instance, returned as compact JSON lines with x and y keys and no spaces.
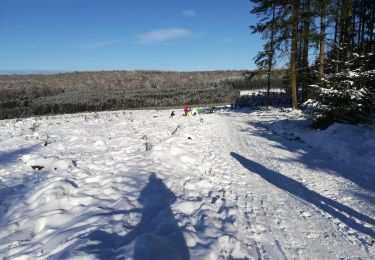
{"x":345,"y":66}
{"x":345,"y":96}
{"x":278,"y":19}
{"x":268,"y":28}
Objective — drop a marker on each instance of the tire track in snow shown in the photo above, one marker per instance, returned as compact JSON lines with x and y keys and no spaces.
{"x":222,"y":174}
{"x":323,"y":231}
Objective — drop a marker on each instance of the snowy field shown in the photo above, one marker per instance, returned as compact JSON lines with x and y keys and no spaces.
{"x":229,"y":185}
{"x":260,"y":91}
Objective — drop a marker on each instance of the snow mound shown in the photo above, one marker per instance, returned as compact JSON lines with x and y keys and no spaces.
{"x":46,"y":162}
{"x":175,"y":156}
{"x":350,"y":144}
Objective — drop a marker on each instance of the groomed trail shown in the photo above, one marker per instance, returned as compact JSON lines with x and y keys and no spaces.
{"x":223,"y":186}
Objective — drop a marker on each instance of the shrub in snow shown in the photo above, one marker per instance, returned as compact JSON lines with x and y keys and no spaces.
{"x":345,"y":96}
{"x":148,"y":145}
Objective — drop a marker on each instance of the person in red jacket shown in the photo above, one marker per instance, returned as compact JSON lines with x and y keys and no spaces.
{"x":186,"y":110}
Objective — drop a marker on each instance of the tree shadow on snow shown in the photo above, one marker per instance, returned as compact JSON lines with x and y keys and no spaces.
{"x":344,"y":213}
{"x":8,"y":192}
{"x":309,"y":156}
{"x":156,"y":236}
{"x":7,"y":158}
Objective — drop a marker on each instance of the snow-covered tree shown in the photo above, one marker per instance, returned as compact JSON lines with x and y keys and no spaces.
{"x":345,"y":96}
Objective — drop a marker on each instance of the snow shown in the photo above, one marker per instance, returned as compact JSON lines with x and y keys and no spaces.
{"x":353,"y":74}
{"x":348,"y":144}
{"x":235,"y":184}
{"x":260,"y":91}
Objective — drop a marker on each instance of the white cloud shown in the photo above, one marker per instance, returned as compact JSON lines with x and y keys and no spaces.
{"x":189,"y":13}
{"x":97,"y":45}
{"x":162,"y":35}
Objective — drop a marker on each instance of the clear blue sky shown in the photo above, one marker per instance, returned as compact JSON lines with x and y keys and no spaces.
{"x":71,"y":35}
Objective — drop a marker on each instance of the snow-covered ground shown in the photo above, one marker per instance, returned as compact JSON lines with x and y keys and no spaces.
{"x":260,"y":91}
{"x":229,"y":185}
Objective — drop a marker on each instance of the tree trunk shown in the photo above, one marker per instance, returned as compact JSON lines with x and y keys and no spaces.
{"x":293,"y":57}
{"x":342,"y":22}
{"x":322,"y":36}
{"x":305,"y":51}
{"x":372,"y":22}
{"x":352,"y":36}
{"x":348,"y":34}
{"x":361,"y":43}
{"x":335,"y":43}
{"x":270,"y":54}
{"x":361,"y":20}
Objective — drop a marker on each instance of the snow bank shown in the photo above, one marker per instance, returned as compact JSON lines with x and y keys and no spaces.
{"x":350,"y":144}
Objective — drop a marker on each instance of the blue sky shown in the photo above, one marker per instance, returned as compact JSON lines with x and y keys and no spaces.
{"x":70,"y":35}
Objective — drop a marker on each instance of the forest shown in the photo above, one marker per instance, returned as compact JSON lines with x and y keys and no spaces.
{"x":27,"y":95}
{"x":328,"y":50}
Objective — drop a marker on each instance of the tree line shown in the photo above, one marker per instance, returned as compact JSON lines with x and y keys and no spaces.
{"x":27,"y":95}
{"x":328,"y":47}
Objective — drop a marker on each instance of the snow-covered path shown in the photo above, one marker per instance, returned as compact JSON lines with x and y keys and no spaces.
{"x":299,"y":201}
{"x":224,"y":185}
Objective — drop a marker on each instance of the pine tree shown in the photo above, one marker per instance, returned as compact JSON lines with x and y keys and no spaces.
{"x":345,"y":66}
{"x":277,"y":20}
{"x":345,"y":96}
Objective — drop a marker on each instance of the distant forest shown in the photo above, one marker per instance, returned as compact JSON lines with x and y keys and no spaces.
{"x":27,"y":95}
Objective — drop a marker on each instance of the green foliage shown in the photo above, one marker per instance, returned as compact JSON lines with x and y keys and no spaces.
{"x":269,"y":22}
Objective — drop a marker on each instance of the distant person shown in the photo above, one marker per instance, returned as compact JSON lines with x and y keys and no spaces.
{"x":186,"y":110}
{"x":172,"y":114}
{"x":194,"y":112}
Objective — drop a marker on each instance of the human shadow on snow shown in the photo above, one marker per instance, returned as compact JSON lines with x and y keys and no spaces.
{"x":156,"y":236}
{"x":335,"y":209}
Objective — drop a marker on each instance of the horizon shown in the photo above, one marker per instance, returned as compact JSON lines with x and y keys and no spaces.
{"x":92,"y":35}
{"x":55,"y":72}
